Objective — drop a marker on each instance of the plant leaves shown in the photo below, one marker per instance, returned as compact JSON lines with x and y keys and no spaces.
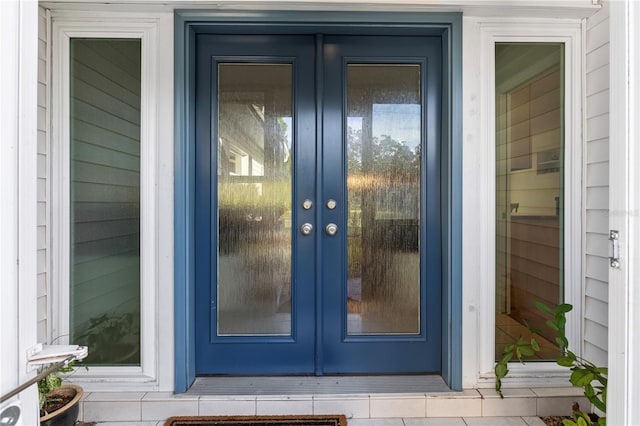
{"x":563,"y":308}
{"x":526,"y":351}
{"x":589,"y":392}
{"x":552,"y":325}
{"x":535,"y":345}
{"x":544,"y":308}
{"x":564,"y":361}
{"x":599,"y":404}
{"x":581,"y":377}
{"x":501,"y":370}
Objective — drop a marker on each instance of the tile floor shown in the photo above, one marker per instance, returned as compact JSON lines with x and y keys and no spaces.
{"x":433,"y":421}
{"x":471,"y":407}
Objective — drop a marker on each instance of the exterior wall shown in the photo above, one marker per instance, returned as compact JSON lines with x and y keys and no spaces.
{"x":473,"y":300}
{"x":43,"y":187}
{"x":597,"y":187}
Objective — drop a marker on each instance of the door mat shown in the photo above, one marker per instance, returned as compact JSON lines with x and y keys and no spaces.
{"x":257,"y":421}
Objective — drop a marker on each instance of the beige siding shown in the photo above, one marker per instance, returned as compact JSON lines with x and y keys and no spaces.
{"x":597,"y":187}
{"x":43,"y":188}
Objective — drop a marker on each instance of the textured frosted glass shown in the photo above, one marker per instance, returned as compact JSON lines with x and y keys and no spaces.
{"x":383,"y":225}
{"x":254,"y":199}
{"x":105,"y":199}
{"x":529,"y":190}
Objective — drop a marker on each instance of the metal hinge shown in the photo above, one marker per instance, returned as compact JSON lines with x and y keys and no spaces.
{"x":614,"y":260}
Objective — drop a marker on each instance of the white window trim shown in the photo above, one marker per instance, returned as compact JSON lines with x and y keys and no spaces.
{"x":145,"y":376}
{"x":481,"y":35}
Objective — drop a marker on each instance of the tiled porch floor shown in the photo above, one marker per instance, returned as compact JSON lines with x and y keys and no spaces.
{"x":467,"y":408}
{"x":452,"y":421}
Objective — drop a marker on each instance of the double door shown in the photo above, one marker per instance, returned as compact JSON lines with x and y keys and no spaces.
{"x":317,"y":185}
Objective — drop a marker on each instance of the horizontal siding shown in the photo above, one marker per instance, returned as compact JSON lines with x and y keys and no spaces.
{"x":598,"y":127}
{"x":597,"y":268}
{"x":597,"y":188}
{"x":597,"y":289}
{"x":598,"y":104}
{"x":597,"y":222}
{"x":43,"y":313}
{"x":594,"y":353}
{"x":598,"y":174}
{"x":597,"y":58}
{"x":598,"y":151}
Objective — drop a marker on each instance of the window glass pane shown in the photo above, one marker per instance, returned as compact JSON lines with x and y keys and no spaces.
{"x":383,"y":183}
{"x":529,"y":190}
{"x":255,"y":165}
{"x":105,"y":199}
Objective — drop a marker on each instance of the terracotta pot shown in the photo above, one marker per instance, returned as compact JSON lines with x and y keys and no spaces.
{"x":67,"y":415}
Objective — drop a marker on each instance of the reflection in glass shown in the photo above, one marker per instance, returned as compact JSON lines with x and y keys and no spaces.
{"x":104,"y":275}
{"x":383,"y":225}
{"x":529,"y":189}
{"x":254,"y":199}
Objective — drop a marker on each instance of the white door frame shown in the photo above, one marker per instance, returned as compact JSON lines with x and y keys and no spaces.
{"x":624,"y":213}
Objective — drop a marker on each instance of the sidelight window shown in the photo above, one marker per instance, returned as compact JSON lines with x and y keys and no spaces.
{"x":104,"y":269}
{"x":529,"y":179}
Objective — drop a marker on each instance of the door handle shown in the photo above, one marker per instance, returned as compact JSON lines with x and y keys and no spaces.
{"x":331,"y":229}
{"x":306,"y":228}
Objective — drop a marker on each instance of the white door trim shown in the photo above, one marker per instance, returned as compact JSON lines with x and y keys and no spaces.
{"x":156,"y":164}
{"x":624,"y":213}
{"x":479,"y":192}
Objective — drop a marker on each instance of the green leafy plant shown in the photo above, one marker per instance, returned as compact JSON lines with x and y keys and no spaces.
{"x":50,"y":383}
{"x":584,"y":374}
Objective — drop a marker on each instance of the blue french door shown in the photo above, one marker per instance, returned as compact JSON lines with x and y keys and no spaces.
{"x":317,"y":204}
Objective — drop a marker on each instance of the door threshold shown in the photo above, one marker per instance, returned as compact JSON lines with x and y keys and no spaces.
{"x":318,"y":385}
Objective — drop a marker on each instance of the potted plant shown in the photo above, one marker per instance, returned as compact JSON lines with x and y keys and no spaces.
{"x":59,"y":405}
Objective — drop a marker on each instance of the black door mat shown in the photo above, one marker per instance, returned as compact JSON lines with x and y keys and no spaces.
{"x":257,"y":421}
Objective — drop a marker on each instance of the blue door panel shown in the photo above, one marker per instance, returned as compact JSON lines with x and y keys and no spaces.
{"x":252,"y":354}
{"x":326,"y":327}
{"x":389,"y":353}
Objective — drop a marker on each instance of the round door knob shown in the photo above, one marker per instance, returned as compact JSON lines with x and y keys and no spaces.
{"x":306,"y":228}
{"x":331,"y":229}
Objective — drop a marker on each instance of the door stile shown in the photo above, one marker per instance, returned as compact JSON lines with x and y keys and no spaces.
{"x":319,"y":90}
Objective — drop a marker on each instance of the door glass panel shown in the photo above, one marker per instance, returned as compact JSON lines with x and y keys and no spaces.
{"x":383,"y":184}
{"x":104,"y":270}
{"x":254,"y":199}
{"x":529,"y":191}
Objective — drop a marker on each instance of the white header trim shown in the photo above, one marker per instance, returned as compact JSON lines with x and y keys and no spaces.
{"x":569,"y":9}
